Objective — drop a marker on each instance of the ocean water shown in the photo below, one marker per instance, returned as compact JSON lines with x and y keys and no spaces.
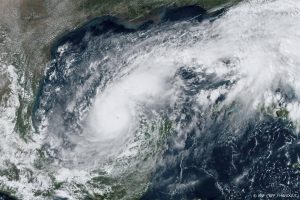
{"x":200,"y":108}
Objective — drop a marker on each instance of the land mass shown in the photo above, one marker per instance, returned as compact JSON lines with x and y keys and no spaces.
{"x":28,"y":29}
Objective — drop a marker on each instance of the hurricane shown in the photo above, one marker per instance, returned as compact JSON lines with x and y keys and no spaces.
{"x":203,"y":108}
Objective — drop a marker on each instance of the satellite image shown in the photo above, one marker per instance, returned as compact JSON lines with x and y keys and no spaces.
{"x":149,"y":99}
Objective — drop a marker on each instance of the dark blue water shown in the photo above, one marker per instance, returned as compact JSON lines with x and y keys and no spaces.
{"x":105,"y":28}
{"x":223,"y":161}
{"x":262,"y":155}
{"x":218,"y":161}
{"x":6,"y":196}
{"x":102,"y":25}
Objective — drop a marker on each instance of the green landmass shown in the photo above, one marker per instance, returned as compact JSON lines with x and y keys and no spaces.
{"x":40,"y":24}
{"x":27,"y":30}
{"x":135,"y":9}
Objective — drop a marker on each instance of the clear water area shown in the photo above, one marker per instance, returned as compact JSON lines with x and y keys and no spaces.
{"x":4,"y":196}
{"x":221,"y":161}
{"x":212,"y":167}
{"x":217,"y":161}
{"x":90,"y":58}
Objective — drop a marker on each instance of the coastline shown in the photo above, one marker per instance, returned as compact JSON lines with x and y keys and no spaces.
{"x":103,"y":24}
